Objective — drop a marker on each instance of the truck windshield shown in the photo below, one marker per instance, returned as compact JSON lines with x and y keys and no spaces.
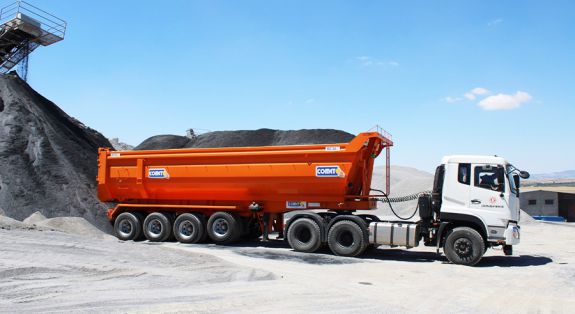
{"x":509,"y":173}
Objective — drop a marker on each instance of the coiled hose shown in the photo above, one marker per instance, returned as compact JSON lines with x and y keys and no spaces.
{"x":400,"y":199}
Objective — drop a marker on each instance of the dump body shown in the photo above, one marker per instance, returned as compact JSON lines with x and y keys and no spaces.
{"x":275,"y":178}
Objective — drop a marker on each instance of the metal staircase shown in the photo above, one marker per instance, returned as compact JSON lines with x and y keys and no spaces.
{"x":23,"y":28}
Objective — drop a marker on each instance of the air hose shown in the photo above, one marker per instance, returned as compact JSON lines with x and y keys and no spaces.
{"x":400,"y":199}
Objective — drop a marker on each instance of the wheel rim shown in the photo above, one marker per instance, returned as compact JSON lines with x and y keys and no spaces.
{"x":463,"y":247}
{"x":345,"y":238}
{"x":303,"y":235}
{"x":155,"y":227}
{"x":186,"y":229}
{"x":126,"y":227}
{"x":220,"y":227}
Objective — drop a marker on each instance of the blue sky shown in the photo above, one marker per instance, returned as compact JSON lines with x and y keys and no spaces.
{"x":444,"y":77}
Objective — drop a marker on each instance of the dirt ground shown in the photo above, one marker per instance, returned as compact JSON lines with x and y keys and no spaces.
{"x":51,"y":271}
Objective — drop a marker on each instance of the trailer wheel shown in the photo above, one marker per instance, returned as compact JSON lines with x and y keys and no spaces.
{"x":157,"y":227}
{"x":464,"y":246}
{"x":346,"y":238}
{"x":224,"y":228}
{"x":304,"y":235}
{"x":189,"y":228}
{"x":128,"y":226}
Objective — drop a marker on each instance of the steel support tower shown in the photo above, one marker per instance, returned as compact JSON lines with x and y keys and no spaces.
{"x":23,"y":28}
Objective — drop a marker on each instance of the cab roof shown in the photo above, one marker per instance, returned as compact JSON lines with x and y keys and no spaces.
{"x":474,"y":159}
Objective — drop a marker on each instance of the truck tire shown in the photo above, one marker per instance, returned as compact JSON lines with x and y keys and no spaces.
{"x":346,"y":238}
{"x":189,"y":228}
{"x":157,"y":227}
{"x":304,"y":235}
{"x":224,"y":228}
{"x":128,"y":226}
{"x":464,"y":246}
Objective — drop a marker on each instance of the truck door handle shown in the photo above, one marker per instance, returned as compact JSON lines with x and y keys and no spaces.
{"x":475,"y":202}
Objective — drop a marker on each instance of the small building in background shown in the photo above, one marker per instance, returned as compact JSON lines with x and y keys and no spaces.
{"x":548,"y":202}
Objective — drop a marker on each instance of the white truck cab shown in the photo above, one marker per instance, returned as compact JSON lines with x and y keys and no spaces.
{"x":474,"y":205}
{"x":483,"y":189}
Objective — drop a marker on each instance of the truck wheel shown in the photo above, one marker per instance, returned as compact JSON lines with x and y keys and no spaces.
{"x":128,"y":226}
{"x":304,"y":235}
{"x":464,"y":246}
{"x":224,"y":228}
{"x":157,"y":227}
{"x":189,"y":228}
{"x":346,"y":238}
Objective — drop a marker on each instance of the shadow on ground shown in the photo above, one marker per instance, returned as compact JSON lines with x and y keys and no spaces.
{"x":280,"y":250}
{"x":403,"y":256}
{"x":514,"y":261}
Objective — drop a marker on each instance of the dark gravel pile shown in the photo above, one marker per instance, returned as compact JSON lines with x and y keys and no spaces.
{"x":261,"y":137}
{"x":163,"y":142}
{"x":48,"y":160}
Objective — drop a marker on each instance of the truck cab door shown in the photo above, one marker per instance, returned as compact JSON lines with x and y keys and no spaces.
{"x":456,"y":188}
{"x":487,"y":191}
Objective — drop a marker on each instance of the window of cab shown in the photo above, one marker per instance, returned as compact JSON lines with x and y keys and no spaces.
{"x":489,"y":177}
{"x":464,"y":174}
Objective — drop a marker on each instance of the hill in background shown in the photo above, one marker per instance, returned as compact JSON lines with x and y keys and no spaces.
{"x":567,"y":174}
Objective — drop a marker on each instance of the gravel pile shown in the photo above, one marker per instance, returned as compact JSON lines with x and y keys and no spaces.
{"x":242,"y":138}
{"x":48,"y":160}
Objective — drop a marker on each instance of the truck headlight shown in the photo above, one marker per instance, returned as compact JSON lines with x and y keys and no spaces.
{"x":515,"y":232}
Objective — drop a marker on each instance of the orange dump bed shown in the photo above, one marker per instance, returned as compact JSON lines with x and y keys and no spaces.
{"x":276,"y":178}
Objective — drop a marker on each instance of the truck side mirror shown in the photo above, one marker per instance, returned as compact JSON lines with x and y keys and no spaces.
{"x":524,"y":174}
{"x":516,"y":179}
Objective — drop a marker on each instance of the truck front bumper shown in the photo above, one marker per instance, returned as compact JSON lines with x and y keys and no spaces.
{"x":512,"y":234}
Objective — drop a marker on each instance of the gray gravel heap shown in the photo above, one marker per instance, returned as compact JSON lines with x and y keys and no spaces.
{"x":48,"y":160}
{"x":261,"y":137}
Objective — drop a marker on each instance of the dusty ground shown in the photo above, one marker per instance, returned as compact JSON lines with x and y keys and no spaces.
{"x":50,"y":271}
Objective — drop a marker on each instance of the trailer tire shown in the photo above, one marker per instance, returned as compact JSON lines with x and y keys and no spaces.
{"x":224,"y":228}
{"x":189,"y":228}
{"x":157,"y":227}
{"x":464,"y":246}
{"x":304,"y":235}
{"x":346,"y":238}
{"x":128,"y":226}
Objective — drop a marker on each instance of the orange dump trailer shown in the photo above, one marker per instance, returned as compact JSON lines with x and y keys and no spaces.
{"x":229,"y":193}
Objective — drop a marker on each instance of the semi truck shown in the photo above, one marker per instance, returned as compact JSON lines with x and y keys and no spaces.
{"x":232,"y":193}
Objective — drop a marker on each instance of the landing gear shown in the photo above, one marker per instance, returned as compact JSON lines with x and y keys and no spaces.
{"x":508,"y":250}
